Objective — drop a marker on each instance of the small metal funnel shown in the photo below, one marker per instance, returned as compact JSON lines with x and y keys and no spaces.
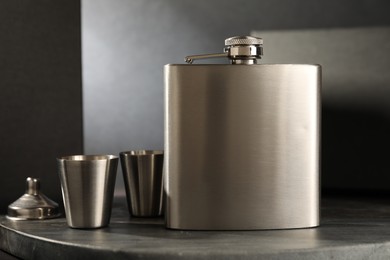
{"x":33,"y":204}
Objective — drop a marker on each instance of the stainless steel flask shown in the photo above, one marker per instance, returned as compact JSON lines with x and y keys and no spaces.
{"x":242,"y":142}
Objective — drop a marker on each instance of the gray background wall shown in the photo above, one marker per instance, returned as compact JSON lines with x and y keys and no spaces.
{"x":40,"y":93}
{"x":126,"y":43}
{"x":355,"y":98}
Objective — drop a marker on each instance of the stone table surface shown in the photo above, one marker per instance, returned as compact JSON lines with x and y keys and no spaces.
{"x":351,"y":228}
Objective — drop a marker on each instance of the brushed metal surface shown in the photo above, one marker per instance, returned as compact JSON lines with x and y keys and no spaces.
{"x":242,"y":146}
{"x":87,"y":183}
{"x":243,"y":40}
{"x":142,"y":174}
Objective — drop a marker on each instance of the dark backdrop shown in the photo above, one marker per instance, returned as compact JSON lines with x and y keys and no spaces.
{"x":40,"y":93}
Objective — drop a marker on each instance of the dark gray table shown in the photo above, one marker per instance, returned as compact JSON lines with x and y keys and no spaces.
{"x":351,"y":229}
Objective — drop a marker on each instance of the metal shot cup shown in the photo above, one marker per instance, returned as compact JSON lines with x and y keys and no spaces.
{"x":87,"y":183}
{"x":142,"y":174}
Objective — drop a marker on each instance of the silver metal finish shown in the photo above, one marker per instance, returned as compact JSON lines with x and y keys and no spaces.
{"x":242,"y":146}
{"x":243,"y":40}
{"x":87,"y":183}
{"x":33,"y":204}
{"x":190,"y":59}
{"x":239,"y":49}
{"x":142,"y":174}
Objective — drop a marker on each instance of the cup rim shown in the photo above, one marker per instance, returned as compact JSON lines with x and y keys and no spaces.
{"x":87,"y":157}
{"x":142,"y":152}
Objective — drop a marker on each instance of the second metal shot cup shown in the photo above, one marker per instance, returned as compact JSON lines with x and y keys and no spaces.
{"x":142,"y":174}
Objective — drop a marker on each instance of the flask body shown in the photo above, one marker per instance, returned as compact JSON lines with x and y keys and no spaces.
{"x":242,"y":146}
